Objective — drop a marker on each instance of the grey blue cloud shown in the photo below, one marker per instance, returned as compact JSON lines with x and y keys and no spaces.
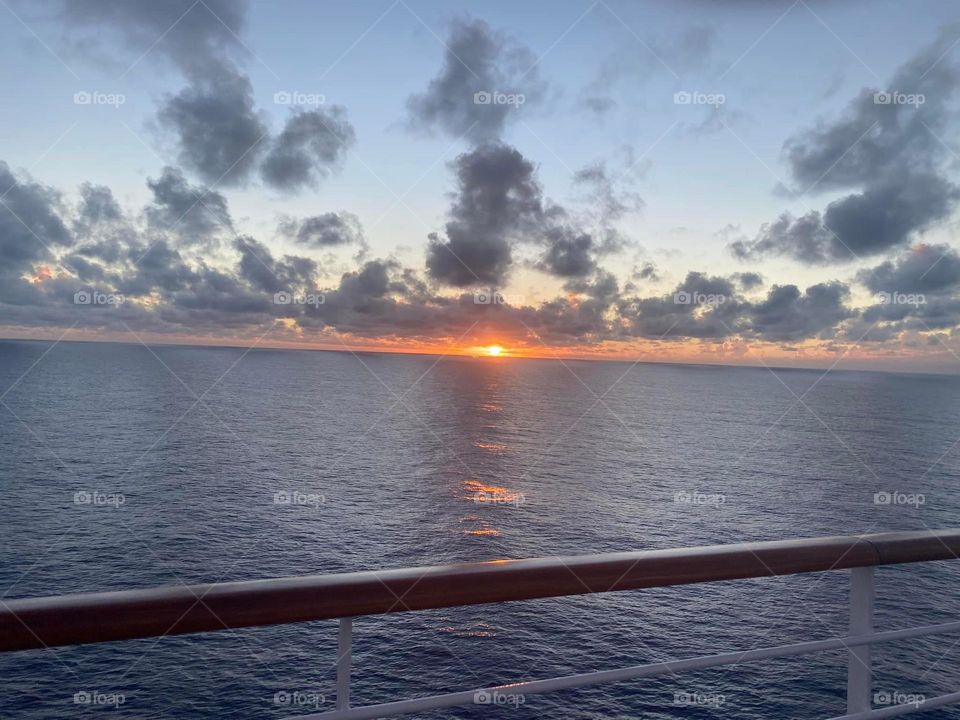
{"x":485,"y":82}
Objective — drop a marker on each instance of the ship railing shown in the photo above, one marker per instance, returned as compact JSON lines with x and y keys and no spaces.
{"x":46,"y":622}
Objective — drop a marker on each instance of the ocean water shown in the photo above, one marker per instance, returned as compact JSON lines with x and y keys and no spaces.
{"x":388,"y":454}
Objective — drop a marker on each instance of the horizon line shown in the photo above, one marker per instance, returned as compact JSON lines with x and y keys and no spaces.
{"x":474,"y":356}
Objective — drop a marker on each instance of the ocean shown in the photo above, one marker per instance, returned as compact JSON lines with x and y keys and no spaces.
{"x":123,"y":466}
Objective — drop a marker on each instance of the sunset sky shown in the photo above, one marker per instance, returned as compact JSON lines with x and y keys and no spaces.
{"x":731,"y":182}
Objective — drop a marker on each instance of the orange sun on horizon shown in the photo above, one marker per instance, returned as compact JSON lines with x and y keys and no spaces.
{"x":492,"y":350}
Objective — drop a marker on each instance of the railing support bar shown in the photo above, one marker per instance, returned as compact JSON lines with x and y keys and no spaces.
{"x":344,"y":649}
{"x":861,"y":623}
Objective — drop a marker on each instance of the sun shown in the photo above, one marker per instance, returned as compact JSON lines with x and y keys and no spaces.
{"x":493,"y":350}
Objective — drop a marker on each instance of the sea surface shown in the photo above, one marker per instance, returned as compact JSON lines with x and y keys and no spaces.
{"x":123,"y":466}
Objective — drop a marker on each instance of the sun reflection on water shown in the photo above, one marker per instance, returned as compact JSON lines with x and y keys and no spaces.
{"x":480,"y":492}
{"x":495,"y":448}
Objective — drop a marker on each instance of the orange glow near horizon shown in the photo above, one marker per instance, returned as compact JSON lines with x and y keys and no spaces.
{"x":806,"y":354}
{"x":493,"y":350}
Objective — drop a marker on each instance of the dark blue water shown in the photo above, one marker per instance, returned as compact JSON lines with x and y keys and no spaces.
{"x":389,"y":453}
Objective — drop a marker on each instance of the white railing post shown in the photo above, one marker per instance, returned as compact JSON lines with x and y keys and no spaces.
{"x":861,"y":623}
{"x":344,"y":643}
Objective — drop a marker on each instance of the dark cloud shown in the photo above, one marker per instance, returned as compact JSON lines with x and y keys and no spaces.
{"x":159,"y":266}
{"x":927,"y":269}
{"x":97,"y":205}
{"x":258,"y":267}
{"x":477,"y":61}
{"x":883,"y":216}
{"x":323,"y":231}
{"x":498,"y":205}
{"x":569,"y":254}
{"x":915,"y":292}
{"x":32,"y":228}
{"x":192,"y":213}
{"x":195,"y":36}
{"x":647,"y":271}
{"x":749,"y":280}
{"x":873,"y":139}
{"x":218,"y":299}
{"x":702,"y":306}
{"x":381,"y":300}
{"x":213,"y":118}
{"x":888,"y":320}
{"x":886,"y":146}
{"x":583,"y":318}
{"x":170,"y":288}
{"x":497,"y":200}
{"x":886,"y":214}
{"x":788,"y":314}
{"x":313,"y":144}
{"x":219,"y":132}
{"x":709,"y":308}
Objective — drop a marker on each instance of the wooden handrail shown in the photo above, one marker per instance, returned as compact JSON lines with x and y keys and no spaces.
{"x":101,"y":617}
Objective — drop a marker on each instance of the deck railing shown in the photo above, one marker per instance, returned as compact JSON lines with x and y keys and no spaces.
{"x":101,"y":617}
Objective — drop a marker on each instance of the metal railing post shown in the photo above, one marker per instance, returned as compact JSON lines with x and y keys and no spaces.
{"x":861,"y":623}
{"x":344,"y":645}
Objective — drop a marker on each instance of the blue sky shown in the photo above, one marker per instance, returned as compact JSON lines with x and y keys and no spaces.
{"x":781,"y":67}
